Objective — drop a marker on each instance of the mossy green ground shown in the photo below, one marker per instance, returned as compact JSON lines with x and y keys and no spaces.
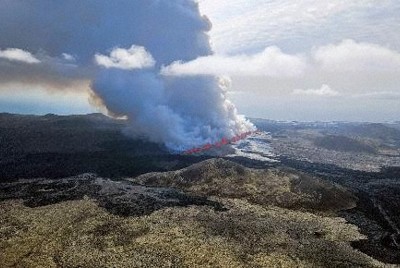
{"x":81,"y":234}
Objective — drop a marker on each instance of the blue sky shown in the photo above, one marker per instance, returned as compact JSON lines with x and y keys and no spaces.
{"x":286,"y":60}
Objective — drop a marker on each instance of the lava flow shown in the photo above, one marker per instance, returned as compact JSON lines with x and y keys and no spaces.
{"x":219,"y":144}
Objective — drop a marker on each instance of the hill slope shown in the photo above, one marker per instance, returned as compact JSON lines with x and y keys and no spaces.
{"x":275,"y":186}
{"x":226,"y":216}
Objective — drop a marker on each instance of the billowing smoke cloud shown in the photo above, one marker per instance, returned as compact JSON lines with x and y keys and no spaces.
{"x":182,"y":113}
{"x":121,"y":47}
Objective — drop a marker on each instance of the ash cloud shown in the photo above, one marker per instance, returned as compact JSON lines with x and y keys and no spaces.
{"x":121,"y":46}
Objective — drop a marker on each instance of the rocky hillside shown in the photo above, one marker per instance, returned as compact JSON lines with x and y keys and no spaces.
{"x":275,"y":186}
{"x":212,"y":214}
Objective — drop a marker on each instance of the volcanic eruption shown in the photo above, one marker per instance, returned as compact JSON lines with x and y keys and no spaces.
{"x":121,"y":47}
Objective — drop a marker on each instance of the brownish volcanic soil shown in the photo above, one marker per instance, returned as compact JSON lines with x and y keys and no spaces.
{"x":212,"y":214}
{"x":275,"y":186}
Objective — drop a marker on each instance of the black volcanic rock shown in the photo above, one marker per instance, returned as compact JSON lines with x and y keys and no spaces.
{"x":53,"y":146}
{"x":118,"y":197}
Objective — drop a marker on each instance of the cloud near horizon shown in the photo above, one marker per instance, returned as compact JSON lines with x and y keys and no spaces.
{"x":16,"y":54}
{"x":324,"y":91}
{"x":21,"y":69}
{"x":359,"y":60}
{"x":351,"y":56}
{"x":271,"y":62}
{"x":365,"y":63}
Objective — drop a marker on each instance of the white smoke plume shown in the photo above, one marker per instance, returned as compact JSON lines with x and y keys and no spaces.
{"x":121,"y":47}
{"x":182,"y":113}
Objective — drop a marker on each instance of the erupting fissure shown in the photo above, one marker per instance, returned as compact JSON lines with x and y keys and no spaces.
{"x":219,"y":144}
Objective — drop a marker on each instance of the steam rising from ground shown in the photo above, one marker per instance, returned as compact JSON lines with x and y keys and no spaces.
{"x":181,"y":112}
